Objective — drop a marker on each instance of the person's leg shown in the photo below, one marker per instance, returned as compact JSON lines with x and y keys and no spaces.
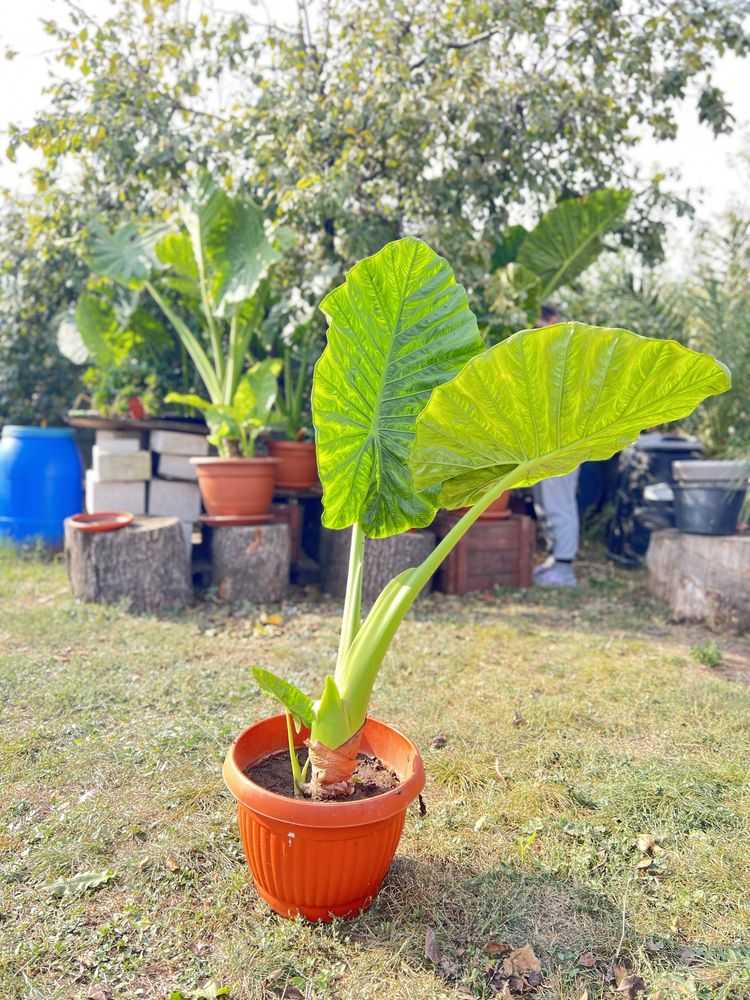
{"x":558,"y":499}
{"x":543,"y":522}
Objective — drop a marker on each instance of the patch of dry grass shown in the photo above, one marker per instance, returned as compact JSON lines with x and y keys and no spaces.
{"x":575,"y":722}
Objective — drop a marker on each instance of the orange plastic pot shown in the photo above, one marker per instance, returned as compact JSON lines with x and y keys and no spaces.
{"x":298,"y":469}
{"x":236,"y":486}
{"x":320,"y":859}
{"x":497,"y":510}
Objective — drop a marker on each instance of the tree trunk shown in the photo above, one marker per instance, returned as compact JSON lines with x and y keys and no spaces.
{"x":703,"y":578}
{"x":250,"y":563}
{"x":144,"y":563}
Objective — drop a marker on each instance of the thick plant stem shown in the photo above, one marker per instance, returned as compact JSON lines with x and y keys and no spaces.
{"x":353,"y":600}
{"x":356,"y":676}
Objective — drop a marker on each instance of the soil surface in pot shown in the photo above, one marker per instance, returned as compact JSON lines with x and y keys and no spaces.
{"x":371,"y":776}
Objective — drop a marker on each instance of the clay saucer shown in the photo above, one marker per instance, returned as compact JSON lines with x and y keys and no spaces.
{"x":102,"y":521}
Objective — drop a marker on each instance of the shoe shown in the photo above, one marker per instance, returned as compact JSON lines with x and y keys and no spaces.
{"x":556,"y":575}
{"x":543,"y":567}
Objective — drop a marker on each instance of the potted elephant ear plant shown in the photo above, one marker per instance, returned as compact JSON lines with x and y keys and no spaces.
{"x":412,"y":413}
{"x":239,"y":483}
{"x":207,"y":272}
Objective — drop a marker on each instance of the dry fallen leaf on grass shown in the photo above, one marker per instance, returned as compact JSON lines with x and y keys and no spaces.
{"x":497,"y":948}
{"x":99,"y":992}
{"x":520,"y":972}
{"x":645,"y":843}
{"x":444,"y":966}
{"x":431,"y":950}
{"x":626,"y":983}
{"x":631,"y":986}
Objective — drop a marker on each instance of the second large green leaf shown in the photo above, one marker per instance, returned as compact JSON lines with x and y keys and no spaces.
{"x":544,"y":401}
{"x":568,"y":238}
{"x":398,"y":327}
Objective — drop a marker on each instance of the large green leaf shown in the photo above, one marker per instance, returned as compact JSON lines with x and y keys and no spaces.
{"x":543,"y":401}
{"x":229,"y":244}
{"x":399,"y":326}
{"x":257,"y":391}
{"x":246,"y":254}
{"x":127,"y":255}
{"x":175,"y":251}
{"x":568,"y":238}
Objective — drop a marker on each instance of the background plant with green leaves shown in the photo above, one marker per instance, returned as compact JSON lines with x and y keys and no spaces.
{"x":502,"y":121}
{"x":412,"y":413}
{"x":208,"y":277}
{"x":529,"y":266}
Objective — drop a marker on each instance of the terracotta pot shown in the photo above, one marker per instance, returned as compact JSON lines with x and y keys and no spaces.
{"x":298,"y":469}
{"x":236,"y":486}
{"x":320,"y":859}
{"x":496,"y":511}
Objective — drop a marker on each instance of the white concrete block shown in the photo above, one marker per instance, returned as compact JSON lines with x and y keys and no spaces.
{"x":114,"y":496}
{"x":177,"y":467}
{"x":117,"y":442}
{"x":181,"y":500}
{"x":179,"y":443}
{"x":121,"y":467}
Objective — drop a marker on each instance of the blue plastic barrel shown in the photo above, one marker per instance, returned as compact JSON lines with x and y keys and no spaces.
{"x":41,"y":474}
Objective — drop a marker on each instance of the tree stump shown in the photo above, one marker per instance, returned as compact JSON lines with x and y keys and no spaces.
{"x":144,"y":563}
{"x":703,"y":578}
{"x":250,"y":563}
{"x":384,"y":559}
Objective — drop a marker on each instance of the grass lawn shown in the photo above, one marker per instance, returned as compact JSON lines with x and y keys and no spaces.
{"x":578,"y":726}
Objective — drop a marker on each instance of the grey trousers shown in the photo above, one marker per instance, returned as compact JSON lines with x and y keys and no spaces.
{"x":557,"y":509}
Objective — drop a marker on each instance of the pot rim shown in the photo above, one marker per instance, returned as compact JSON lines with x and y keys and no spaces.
{"x":302,"y":812}
{"x":285,"y":443}
{"x":215,"y":460}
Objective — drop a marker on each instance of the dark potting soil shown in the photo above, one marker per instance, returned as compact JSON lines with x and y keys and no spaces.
{"x":371,"y":776}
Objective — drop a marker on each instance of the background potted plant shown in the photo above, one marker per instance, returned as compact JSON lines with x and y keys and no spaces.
{"x":239,"y":483}
{"x":207,"y":274}
{"x":296,"y":450}
{"x":411,"y":413}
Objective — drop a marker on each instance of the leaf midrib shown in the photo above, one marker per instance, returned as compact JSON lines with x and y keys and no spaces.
{"x":595,"y":234}
{"x":374,"y":434}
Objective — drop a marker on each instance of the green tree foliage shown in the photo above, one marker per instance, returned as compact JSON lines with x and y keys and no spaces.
{"x":372,"y":119}
{"x":708,"y":310}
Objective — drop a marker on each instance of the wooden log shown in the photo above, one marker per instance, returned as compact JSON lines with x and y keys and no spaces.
{"x":384,"y":559}
{"x":144,"y":563}
{"x":250,"y":563}
{"x":703,"y":578}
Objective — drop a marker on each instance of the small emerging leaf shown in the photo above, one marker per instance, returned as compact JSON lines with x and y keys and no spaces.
{"x":287,"y":694}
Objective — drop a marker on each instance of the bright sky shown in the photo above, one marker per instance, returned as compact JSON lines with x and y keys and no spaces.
{"x":707,"y":166}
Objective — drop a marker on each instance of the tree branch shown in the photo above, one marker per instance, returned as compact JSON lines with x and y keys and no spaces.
{"x":465,"y":44}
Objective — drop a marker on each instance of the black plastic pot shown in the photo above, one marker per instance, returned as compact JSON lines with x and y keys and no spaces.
{"x":707,"y":508}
